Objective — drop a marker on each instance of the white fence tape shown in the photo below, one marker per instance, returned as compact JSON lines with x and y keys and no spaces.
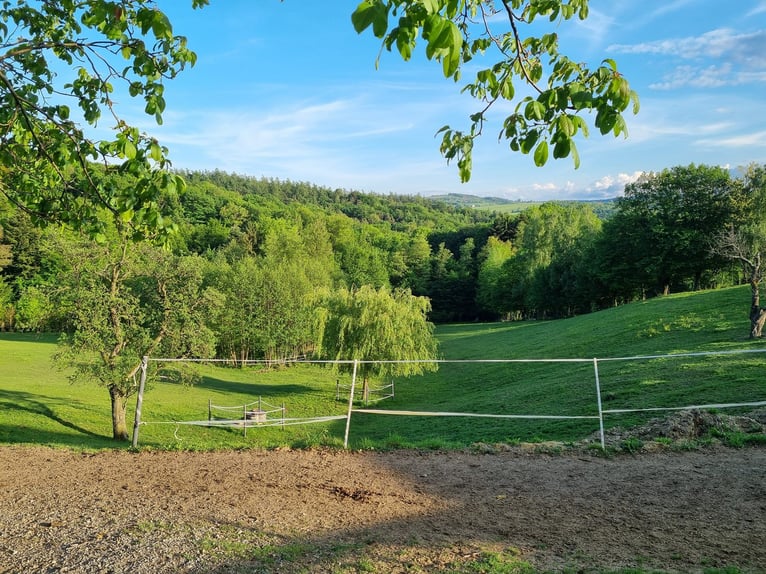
{"x":595,"y":361}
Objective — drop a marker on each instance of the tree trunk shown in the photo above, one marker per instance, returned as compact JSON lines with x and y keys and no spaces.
{"x":757,"y":315}
{"x":365,"y":391}
{"x":119,"y":422}
{"x":757,"y":319}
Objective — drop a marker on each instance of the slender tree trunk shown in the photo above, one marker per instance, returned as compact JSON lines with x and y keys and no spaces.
{"x":757,"y":320}
{"x":757,"y":314}
{"x":366,"y":390}
{"x":119,"y":422}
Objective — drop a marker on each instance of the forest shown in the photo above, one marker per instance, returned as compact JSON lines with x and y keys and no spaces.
{"x":262,"y":248}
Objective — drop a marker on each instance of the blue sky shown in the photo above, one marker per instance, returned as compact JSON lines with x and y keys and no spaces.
{"x":288,"y":90}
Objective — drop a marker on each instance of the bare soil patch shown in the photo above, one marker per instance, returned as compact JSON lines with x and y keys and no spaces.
{"x":323,"y":510}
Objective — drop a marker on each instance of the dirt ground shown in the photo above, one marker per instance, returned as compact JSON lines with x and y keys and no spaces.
{"x":330,"y":511}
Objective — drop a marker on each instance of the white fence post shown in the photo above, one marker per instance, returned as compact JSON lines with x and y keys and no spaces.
{"x":600,"y":409}
{"x":350,"y":404}
{"x":140,"y":400}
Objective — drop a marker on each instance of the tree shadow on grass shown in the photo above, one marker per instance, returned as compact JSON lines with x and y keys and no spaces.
{"x":41,"y":405}
{"x":253,"y":389}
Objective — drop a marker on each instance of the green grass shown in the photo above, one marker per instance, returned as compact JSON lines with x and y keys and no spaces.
{"x":41,"y":406}
{"x":707,"y":321}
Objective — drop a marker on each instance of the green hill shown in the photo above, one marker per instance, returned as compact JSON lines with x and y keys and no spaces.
{"x":500,"y":204}
{"x":42,"y":407}
{"x":710,"y":321}
{"x":603,"y":208}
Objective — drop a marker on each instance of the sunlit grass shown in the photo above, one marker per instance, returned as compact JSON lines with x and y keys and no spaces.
{"x":41,"y":406}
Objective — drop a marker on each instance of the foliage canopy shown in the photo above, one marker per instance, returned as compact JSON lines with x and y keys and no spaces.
{"x":562,"y":91}
{"x":369,"y":324}
{"x":63,"y":65}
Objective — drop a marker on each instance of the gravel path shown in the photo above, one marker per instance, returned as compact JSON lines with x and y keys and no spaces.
{"x":323,"y":510}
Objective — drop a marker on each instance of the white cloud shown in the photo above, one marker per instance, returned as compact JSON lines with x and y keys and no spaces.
{"x":751,"y":140}
{"x":351,"y":142}
{"x":633,"y":15}
{"x":612,"y":185}
{"x":710,"y":77}
{"x":667,"y":7}
{"x":296,"y":130}
{"x":606,"y":187}
{"x":733,"y":58}
{"x":713,"y":44}
{"x":545,"y":187}
{"x":594,"y":28}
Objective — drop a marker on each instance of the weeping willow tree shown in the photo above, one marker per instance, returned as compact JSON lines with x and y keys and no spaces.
{"x":375,"y":326}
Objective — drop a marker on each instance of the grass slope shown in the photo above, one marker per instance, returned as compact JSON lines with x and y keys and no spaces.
{"x":41,"y":406}
{"x":685,"y":323}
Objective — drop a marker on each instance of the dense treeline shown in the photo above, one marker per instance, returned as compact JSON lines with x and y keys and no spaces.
{"x":664,"y":235}
{"x":264,"y":249}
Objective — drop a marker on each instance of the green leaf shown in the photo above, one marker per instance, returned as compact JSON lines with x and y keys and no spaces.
{"x":405,"y":41}
{"x":371,"y":13}
{"x":541,"y":154}
{"x":436,"y":34}
{"x":161,"y":26}
{"x":620,"y":126}
{"x":506,"y":88}
{"x":363,"y":16}
{"x":561,"y":148}
{"x":155,"y":151}
{"x":566,"y":126}
{"x":575,"y":154}
{"x":605,"y":120}
{"x":445,"y":42}
{"x":452,"y":61}
{"x":529,"y":141}
{"x":128,"y":149}
{"x":534,"y":110}
{"x":452,"y":7}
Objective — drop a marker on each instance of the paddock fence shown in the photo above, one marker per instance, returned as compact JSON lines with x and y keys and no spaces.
{"x":370,"y":394}
{"x":258,"y":413}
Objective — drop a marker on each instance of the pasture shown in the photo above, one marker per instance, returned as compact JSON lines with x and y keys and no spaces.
{"x":43,"y":407}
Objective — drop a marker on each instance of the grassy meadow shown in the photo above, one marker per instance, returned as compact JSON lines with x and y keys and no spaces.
{"x":40,"y":405}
